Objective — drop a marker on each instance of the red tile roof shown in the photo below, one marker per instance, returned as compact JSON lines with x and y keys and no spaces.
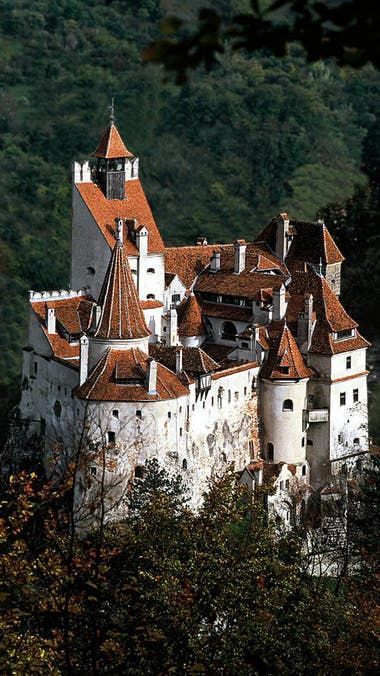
{"x":150,"y":304}
{"x":108,"y":380}
{"x":121,"y":314}
{"x":188,"y":261}
{"x":73,"y":316}
{"x":312,"y":242}
{"x":230,"y":312}
{"x":330,"y":314}
{"x":134,"y":206}
{"x":285,"y":361}
{"x":112,"y":145}
{"x":194,"y":359}
{"x":190,"y":321}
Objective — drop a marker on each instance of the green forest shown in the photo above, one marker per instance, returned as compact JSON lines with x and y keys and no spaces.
{"x":220,"y":155}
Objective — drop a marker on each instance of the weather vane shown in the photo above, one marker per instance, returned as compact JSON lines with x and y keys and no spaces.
{"x":112,"y":110}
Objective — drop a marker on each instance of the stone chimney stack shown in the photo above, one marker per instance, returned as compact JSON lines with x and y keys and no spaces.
{"x":178,"y":360}
{"x":240,"y":247}
{"x":172,"y":327}
{"x":305,"y":324}
{"x":50,"y":320}
{"x":215,"y":262}
{"x":142,"y":240}
{"x":279,"y":303}
{"x":151,"y":376}
{"x":119,"y":229}
{"x":282,"y":236}
{"x":83,"y":359}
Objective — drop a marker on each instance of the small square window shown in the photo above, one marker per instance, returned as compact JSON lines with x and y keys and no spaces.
{"x":348,"y":362}
{"x":342,"y":398}
{"x":355,"y":395}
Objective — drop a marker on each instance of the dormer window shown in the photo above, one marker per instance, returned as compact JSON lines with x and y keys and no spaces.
{"x":344,"y":334}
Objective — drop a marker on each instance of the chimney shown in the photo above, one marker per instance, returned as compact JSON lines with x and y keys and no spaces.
{"x":215,"y":262}
{"x":119,"y":230}
{"x":178,"y":360}
{"x":305,"y":324}
{"x":151,"y":376}
{"x":50,"y":320}
{"x":201,"y":241}
{"x":282,"y":235}
{"x":83,"y":359}
{"x":240,"y":247}
{"x":172,"y":326}
{"x":97,"y":311}
{"x":142,"y":240}
{"x":279,"y":303}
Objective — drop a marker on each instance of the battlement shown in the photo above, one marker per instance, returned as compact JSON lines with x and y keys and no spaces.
{"x":63,"y":294}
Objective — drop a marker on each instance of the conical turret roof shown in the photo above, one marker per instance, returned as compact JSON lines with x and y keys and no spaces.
{"x":112,"y":145}
{"x":190,"y":318}
{"x":121,"y":313}
{"x":285,"y":361}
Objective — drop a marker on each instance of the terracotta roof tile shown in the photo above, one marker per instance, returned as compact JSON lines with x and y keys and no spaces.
{"x":284,"y":361}
{"x":134,"y":206}
{"x":189,"y":261}
{"x":112,"y":145}
{"x":150,"y":304}
{"x":234,"y":367}
{"x":194,"y":359}
{"x":108,"y":380}
{"x":121,"y":314}
{"x":231,"y":312}
{"x":190,"y":321}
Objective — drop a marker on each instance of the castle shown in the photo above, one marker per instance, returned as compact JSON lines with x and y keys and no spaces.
{"x":199,"y":356}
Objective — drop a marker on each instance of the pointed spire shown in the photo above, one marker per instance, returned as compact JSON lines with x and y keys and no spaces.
{"x":112,"y":145}
{"x":190,"y":318}
{"x":285,"y":361}
{"x":121,"y":314}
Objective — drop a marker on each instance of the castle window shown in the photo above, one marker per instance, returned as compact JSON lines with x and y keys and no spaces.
{"x":151,"y":271}
{"x":115,"y":413}
{"x":281,"y":485}
{"x":283,"y":369}
{"x":57,"y":409}
{"x":204,"y":404}
{"x":212,"y":401}
{"x":287,"y":405}
{"x":133,"y":271}
{"x":35,"y":367}
{"x":180,"y":431}
{"x":151,"y":296}
{"x":169,"y":415}
{"x":303,"y":441}
{"x":270,"y":452}
{"x":340,"y":438}
{"x":245,"y":391}
{"x":310,"y":442}
{"x":348,"y":362}
{"x":244,"y":346}
{"x":176,"y":297}
{"x":355,"y":395}
{"x":229,"y":331}
{"x":180,"y":409}
{"x":303,"y":470}
{"x":139,"y":414}
{"x":356,"y":441}
{"x":111,"y":437}
{"x":224,"y":457}
{"x":346,"y":333}
{"x":229,"y":396}
{"x":342,"y":398}
{"x":184,"y":464}
{"x":92,"y":471}
{"x":91,"y":271}
{"x":237,"y":396}
{"x":139,"y":472}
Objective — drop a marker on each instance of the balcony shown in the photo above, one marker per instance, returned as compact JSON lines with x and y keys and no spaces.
{"x":317,"y":415}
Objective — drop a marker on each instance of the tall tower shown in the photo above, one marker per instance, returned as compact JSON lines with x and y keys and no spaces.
{"x":111,"y":154}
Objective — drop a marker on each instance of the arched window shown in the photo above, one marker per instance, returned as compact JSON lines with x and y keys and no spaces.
{"x":303,"y":470}
{"x":151,"y":296}
{"x":357,"y":441}
{"x":57,"y":409}
{"x":270,"y":452}
{"x":139,"y":472}
{"x":91,"y":271}
{"x":287,"y":405}
{"x":229,"y":331}
{"x":184,"y":463}
{"x":151,"y":271}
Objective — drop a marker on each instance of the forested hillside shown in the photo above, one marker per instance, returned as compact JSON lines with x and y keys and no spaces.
{"x":219,"y":156}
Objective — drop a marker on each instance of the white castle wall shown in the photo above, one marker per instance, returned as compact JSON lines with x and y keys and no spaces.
{"x":284,"y":429}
